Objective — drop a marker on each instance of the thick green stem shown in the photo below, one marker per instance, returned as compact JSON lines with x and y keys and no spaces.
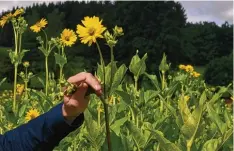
{"x":163,"y":80}
{"x":15,"y":83}
{"x":189,"y":144}
{"x":47,"y":75}
{"x":20,"y":41}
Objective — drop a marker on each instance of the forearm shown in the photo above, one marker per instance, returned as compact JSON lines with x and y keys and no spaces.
{"x":43,"y":133}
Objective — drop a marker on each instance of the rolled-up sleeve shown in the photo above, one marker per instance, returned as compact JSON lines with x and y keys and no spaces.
{"x":40,"y":134}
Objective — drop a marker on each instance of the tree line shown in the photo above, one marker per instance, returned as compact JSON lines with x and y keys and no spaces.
{"x":153,"y":27}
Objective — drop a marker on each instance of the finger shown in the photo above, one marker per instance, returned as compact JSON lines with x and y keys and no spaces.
{"x":87,"y":78}
{"x":82,"y":89}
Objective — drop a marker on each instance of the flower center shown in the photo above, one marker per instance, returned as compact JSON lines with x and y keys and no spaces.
{"x":32,"y":116}
{"x":91,"y":31}
{"x":67,"y":38}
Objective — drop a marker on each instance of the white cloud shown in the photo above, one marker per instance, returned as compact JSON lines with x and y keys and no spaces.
{"x":217,"y":11}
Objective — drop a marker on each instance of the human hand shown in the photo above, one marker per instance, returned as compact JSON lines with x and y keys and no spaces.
{"x":78,"y":102}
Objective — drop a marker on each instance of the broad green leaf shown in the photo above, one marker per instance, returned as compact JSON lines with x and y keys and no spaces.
{"x":216,"y":119}
{"x":215,"y":144}
{"x":137,"y":65}
{"x":183,"y":108}
{"x":165,"y":144}
{"x":163,"y":65}
{"x":22,"y":110}
{"x":191,"y":124}
{"x":118,"y":77}
{"x":218,"y":95}
{"x":154,"y":80}
{"x":137,"y":135}
{"x":117,"y":125}
{"x":60,"y":60}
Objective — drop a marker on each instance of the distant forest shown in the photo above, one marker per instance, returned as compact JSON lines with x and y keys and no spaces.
{"x":150,"y":27}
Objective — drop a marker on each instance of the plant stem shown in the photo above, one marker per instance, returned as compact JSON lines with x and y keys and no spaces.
{"x":15,"y":82}
{"x":103,"y":68}
{"x":104,"y":101}
{"x":107,"y":126}
{"x":163,"y":80}
{"x":112,"y":66}
{"x":47,"y":72}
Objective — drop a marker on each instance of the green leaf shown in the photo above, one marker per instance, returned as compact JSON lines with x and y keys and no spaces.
{"x":165,"y":144}
{"x":150,"y":94}
{"x":216,"y":119}
{"x":216,"y":144}
{"x":163,"y":65}
{"x":3,"y":80}
{"x":22,"y":110}
{"x":125,"y":96}
{"x":41,"y":81}
{"x":137,"y":65}
{"x":154,"y":80}
{"x":117,"y":125}
{"x":118,"y":77}
{"x":60,"y":60}
{"x":137,"y":135}
{"x":192,"y":122}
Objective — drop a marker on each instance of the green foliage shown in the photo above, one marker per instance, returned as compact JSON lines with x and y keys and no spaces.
{"x":220,"y":71}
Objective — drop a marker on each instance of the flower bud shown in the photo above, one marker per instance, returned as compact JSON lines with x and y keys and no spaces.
{"x":26,"y":64}
{"x":118,"y":31}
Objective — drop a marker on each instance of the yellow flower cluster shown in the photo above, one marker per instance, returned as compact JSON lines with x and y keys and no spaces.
{"x":91,"y":29}
{"x":31,"y":114}
{"x":189,"y":69}
{"x":9,"y":16}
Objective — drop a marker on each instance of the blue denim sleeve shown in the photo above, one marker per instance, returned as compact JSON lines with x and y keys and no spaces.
{"x":40,"y":134}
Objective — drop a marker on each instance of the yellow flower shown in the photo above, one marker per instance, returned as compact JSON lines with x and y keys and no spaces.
{"x":186,"y":97}
{"x":99,"y":109}
{"x":26,"y":64}
{"x":195,"y":74}
{"x":189,"y":68}
{"x":91,"y":30}
{"x":182,"y":67}
{"x":20,"y":88}
{"x":68,"y":37}
{"x":18,"y":12}
{"x":39,"y":25}
{"x":31,"y":114}
{"x":5,"y":19}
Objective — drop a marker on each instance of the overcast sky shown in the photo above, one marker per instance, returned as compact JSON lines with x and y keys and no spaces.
{"x":217,"y":11}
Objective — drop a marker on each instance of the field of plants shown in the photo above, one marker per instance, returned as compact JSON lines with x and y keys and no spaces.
{"x":175,"y":111}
